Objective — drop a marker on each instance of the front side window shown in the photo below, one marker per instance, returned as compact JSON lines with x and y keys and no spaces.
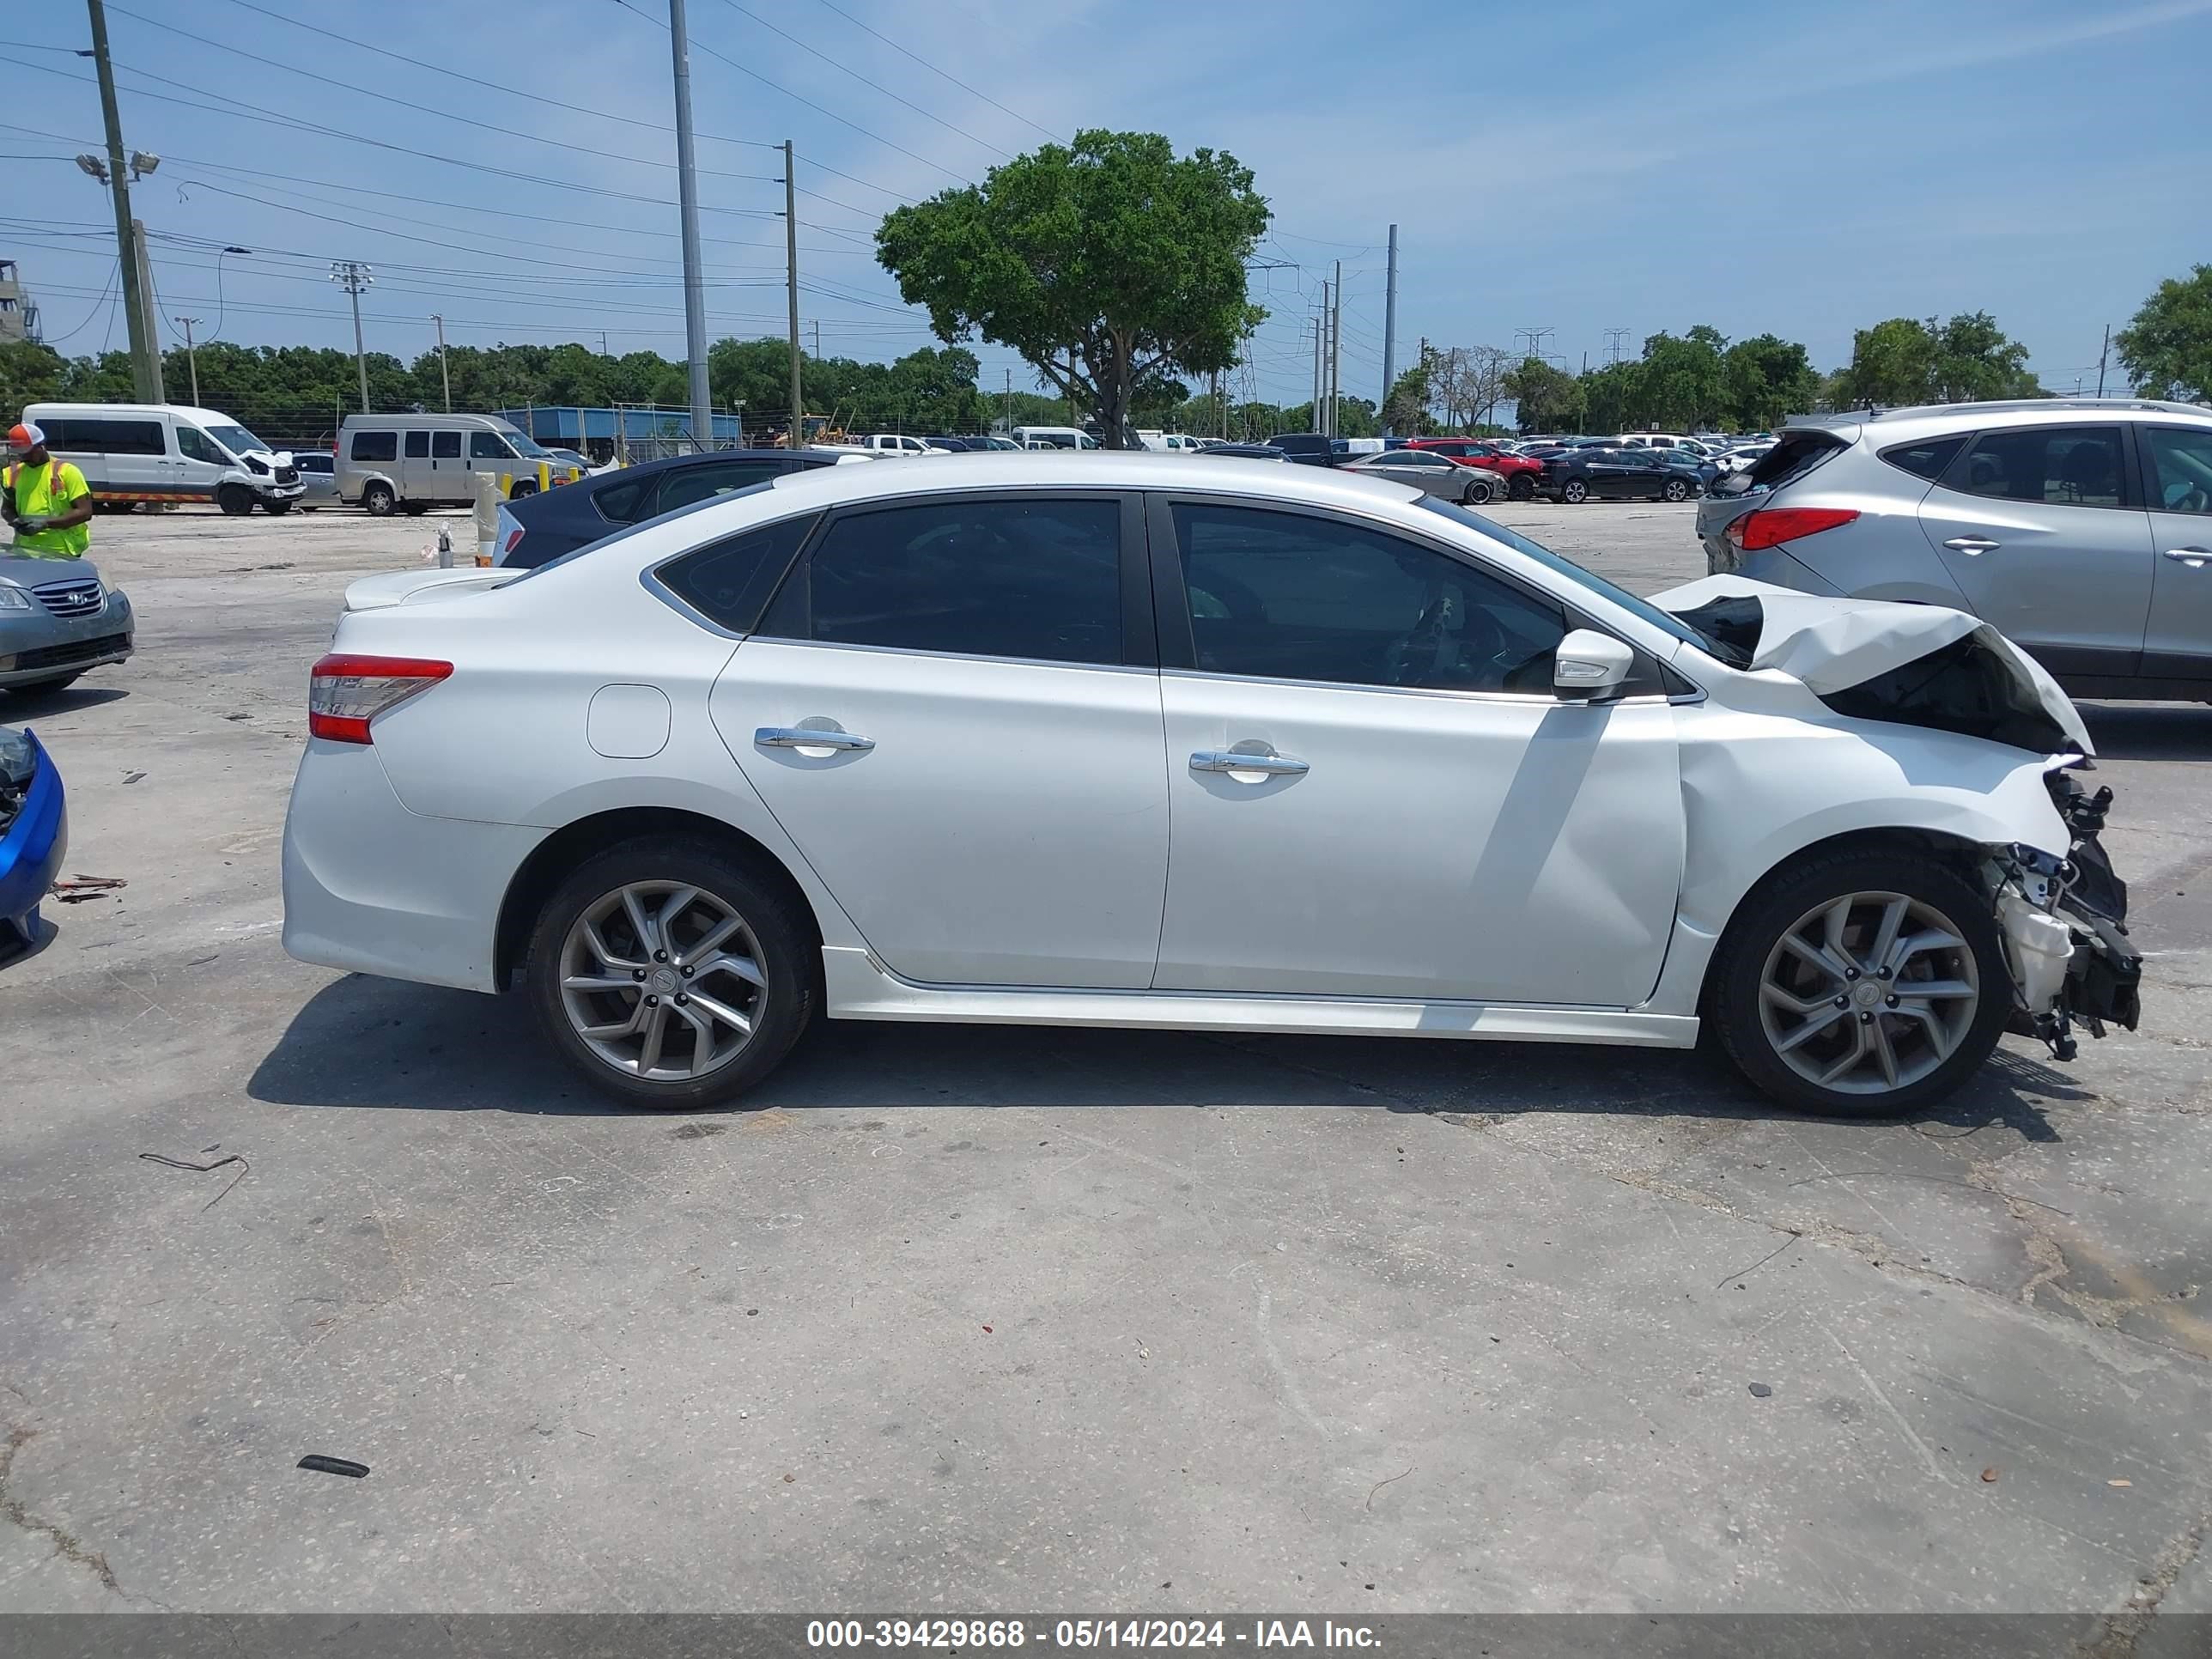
{"x":1288,"y":595}
{"x":2181,"y":468}
{"x":375,"y":447}
{"x":489,"y":446}
{"x":418,"y":445}
{"x":2051,"y":465}
{"x":195,"y":445}
{"x":986,"y":577}
{"x":445,"y":445}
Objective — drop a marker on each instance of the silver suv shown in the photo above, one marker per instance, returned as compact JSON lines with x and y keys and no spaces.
{"x":2081,"y":527}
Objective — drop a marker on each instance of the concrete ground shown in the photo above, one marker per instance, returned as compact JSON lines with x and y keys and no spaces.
{"x":1129,"y":1321}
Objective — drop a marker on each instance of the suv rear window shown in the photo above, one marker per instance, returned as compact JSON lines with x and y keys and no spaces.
{"x":1794,"y":455}
{"x":1924,"y":461}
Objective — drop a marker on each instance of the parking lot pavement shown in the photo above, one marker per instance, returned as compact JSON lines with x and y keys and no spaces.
{"x":957,"y":1319}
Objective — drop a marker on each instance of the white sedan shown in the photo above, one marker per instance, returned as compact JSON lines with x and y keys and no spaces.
{"x":1165,"y":741}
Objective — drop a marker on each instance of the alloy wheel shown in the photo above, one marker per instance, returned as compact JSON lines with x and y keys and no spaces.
{"x":1868,"y":992}
{"x":663,"y":981}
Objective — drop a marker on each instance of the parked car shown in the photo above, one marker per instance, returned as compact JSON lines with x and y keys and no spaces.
{"x":411,"y":463}
{"x":1246,"y":451}
{"x":556,"y":521}
{"x":33,"y":836}
{"x":571,"y":459}
{"x":897,"y":443}
{"x":889,"y":741}
{"x":319,"y":478}
{"x":1616,"y":475}
{"x":993,"y":440}
{"x":1054,"y":437}
{"x":57,"y":620}
{"x":2081,"y":527}
{"x":167,"y":453}
{"x":948,"y":446}
{"x":1434,"y":474}
{"x":1520,"y":471}
{"x":1309,"y":448}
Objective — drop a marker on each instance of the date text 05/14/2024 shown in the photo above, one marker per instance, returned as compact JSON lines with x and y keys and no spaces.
{"x":970,"y":1634}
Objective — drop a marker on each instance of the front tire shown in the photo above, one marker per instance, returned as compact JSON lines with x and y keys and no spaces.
{"x":1574,"y":492}
{"x":1676,"y":490}
{"x":1521,"y":488}
{"x":521,"y":489}
{"x":234,"y":500}
{"x":670,"y":974}
{"x":378,"y":501}
{"x":1860,"y":984}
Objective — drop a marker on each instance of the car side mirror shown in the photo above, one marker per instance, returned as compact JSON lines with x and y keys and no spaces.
{"x":1590,"y":666}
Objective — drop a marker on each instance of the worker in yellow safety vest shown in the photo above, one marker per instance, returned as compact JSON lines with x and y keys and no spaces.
{"x":46,"y":502}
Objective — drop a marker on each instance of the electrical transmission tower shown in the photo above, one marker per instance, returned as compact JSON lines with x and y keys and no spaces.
{"x":1613,"y":337}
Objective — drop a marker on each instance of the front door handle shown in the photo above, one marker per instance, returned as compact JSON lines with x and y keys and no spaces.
{"x":2195,"y":557}
{"x":1238,"y":760}
{"x":808,"y":737}
{"x":1971,"y":546}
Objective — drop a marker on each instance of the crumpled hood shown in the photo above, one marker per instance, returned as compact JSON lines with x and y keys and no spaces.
{"x":1921,"y":665}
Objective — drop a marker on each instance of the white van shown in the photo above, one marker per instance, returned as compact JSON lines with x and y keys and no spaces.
{"x":895,"y":443}
{"x":1174,"y":443}
{"x":134,"y":453}
{"x":1054,"y":437}
{"x":410,"y":462}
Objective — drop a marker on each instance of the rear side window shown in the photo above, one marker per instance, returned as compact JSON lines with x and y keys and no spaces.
{"x":2053,"y":465}
{"x":1924,"y":461}
{"x":418,"y":445}
{"x":445,"y":445}
{"x":728,"y":581}
{"x":80,"y":435}
{"x":375,"y":447}
{"x":696,"y":483}
{"x":1039,"y":580}
{"x":618,"y":503}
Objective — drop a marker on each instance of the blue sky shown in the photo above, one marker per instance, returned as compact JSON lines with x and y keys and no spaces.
{"x":1801,"y":170}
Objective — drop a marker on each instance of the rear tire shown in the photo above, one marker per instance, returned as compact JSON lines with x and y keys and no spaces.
{"x":1478,"y":494}
{"x":777,"y":996}
{"x":235,"y":500}
{"x":378,"y":501}
{"x":1773,"y":1007}
{"x":1574,"y":492}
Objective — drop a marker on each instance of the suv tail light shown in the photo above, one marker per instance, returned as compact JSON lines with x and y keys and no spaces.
{"x":1770,"y":526}
{"x":344,"y":694}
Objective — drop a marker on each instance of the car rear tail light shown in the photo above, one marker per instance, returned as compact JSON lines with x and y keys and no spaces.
{"x":1770,"y":526}
{"x":344,"y":694}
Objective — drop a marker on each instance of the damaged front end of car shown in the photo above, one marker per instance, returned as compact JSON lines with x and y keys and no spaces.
{"x":2064,"y":925}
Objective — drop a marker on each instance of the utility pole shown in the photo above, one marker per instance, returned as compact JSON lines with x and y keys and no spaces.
{"x":1317,"y":366}
{"x":1336,"y":346}
{"x":2102,"y":353}
{"x":1010,"y":399}
{"x":798,"y":427}
{"x":191,"y":357}
{"x":687,"y":199}
{"x":146,"y":300}
{"x":353,"y":276}
{"x":446,"y":380}
{"x":1390,"y":335}
{"x":145,"y":359}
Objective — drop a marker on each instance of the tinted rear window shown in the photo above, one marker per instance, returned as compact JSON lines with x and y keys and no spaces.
{"x":728,"y":581}
{"x":1793,"y":456}
{"x":1924,"y":461}
{"x":619,"y":502}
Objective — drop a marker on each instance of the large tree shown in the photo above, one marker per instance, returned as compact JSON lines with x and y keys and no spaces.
{"x":1905,"y":360}
{"x":1106,"y":264}
{"x":1545,"y":399}
{"x":2168,"y":346}
{"x":1768,"y":377}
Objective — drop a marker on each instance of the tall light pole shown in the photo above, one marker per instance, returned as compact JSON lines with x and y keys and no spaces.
{"x":191,"y":355}
{"x":444,"y":378}
{"x":1390,"y":334}
{"x":795,"y":433}
{"x":145,"y":361}
{"x":687,"y":199}
{"x":353,"y":276}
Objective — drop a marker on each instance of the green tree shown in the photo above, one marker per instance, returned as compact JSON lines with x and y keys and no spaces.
{"x":2166,"y":348}
{"x":1102,"y":264}
{"x":1767,"y":378}
{"x":29,"y":373}
{"x":1546,"y":398}
{"x":1406,"y":409}
{"x":1905,"y":360}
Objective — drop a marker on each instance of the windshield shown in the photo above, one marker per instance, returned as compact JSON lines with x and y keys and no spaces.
{"x":525,"y":446}
{"x":1664,"y":620}
{"x":238,"y":441}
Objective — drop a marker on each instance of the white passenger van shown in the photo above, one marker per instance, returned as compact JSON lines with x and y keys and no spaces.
{"x":1054,"y":437}
{"x":134,"y":453}
{"x":408,"y":462}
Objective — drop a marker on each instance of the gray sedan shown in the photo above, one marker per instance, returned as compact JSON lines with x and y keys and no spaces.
{"x":57,"y":620}
{"x":1433,"y":474}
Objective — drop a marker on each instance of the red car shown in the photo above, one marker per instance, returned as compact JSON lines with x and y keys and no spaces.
{"x":1519,"y":471}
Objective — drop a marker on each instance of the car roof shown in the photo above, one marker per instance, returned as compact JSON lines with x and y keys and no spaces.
{"x":1914,"y":419}
{"x":1060,"y":469}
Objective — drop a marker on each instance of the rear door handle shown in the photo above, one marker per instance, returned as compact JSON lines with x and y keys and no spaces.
{"x":2195,"y":557}
{"x":1971,"y":546}
{"x":807,"y":737}
{"x":1235,"y":760}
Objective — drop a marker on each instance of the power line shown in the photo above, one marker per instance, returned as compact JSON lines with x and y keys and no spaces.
{"x":946,"y":74}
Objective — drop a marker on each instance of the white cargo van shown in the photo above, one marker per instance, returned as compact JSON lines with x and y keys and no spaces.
{"x":408,"y":463}
{"x":1054,"y":437}
{"x":134,"y":453}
